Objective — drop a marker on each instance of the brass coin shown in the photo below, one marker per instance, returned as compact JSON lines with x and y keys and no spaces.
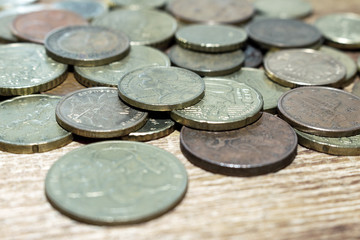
{"x":110,"y":74}
{"x":283,"y":8}
{"x":26,"y":69}
{"x":226,"y":105}
{"x":135,"y":4}
{"x":322,"y":111}
{"x":86,"y":45}
{"x":265,"y":146}
{"x":207,"y":64}
{"x":304,"y":67}
{"x":116,"y":182}
{"x":88,"y":9}
{"x":253,"y":57}
{"x":98,"y":113}
{"x":161,"y":88}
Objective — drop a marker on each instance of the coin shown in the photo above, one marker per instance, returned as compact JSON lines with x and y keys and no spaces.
{"x":138,"y":3}
{"x":211,"y":38}
{"x":86,"y":45}
{"x":34,"y":26}
{"x":116,"y":182}
{"x":265,"y":146}
{"x":283,"y":33}
{"x":161,"y":88}
{"x":257,"y":79}
{"x":207,"y":64}
{"x":253,"y":57}
{"x":109,"y":75}
{"x":283,"y":8}
{"x":143,"y":26}
{"x":304,"y":67}
{"x":88,"y":9}
{"x":13,"y":3}
{"x":212,"y":11}
{"x":341,"y":30}
{"x":26,"y":69}
{"x":322,"y":111}
{"x":98,"y":113}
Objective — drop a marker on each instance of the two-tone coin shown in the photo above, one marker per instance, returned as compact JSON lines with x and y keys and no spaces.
{"x":87,"y":9}
{"x":283,"y":8}
{"x":136,"y":4}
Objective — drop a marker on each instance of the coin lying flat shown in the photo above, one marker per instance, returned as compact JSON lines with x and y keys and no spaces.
{"x":110,"y":74}
{"x":265,"y":146}
{"x":161,"y":88}
{"x":98,"y":113}
{"x":138,"y":3}
{"x":87,"y":9}
{"x":253,"y":57}
{"x":321,"y":111}
{"x":28,"y":125}
{"x":283,"y":8}
{"x":304,"y":67}
{"x":226,"y":105}
{"x":116,"y":182}
{"x":25,"y":69}
{"x":86,"y":45}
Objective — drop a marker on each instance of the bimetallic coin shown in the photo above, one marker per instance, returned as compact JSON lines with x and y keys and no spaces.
{"x":86,"y":45}
{"x":98,"y":113}
{"x":28,"y":125}
{"x":283,"y":8}
{"x":226,"y":105}
{"x":116,"y":182}
{"x":321,"y":111}
{"x":265,"y":146}
{"x":25,"y":68}
{"x":88,"y":9}
{"x":109,"y":75}
{"x":304,"y":67}
{"x":253,"y":57}
{"x":13,"y":3}
{"x":207,"y":64}
{"x":135,"y":4}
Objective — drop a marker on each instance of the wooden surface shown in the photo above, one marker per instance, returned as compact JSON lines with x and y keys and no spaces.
{"x":316,"y":197}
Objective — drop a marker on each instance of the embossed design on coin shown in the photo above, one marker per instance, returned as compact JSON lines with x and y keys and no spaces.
{"x":253,"y":57}
{"x":321,"y":111}
{"x":283,"y":8}
{"x":87,"y":9}
{"x":98,"y":113}
{"x":116,"y":182}
{"x":161,"y":88}
{"x":265,"y":146}
{"x":304,"y":67}
{"x":138,"y":3}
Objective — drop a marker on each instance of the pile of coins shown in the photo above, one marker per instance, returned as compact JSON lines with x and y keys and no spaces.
{"x":123,"y":52}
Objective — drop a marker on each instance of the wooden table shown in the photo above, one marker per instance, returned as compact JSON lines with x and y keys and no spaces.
{"x":316,"y":197}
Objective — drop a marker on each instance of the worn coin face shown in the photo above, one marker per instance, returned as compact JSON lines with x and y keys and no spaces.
{"x":25,"y":69}
{"x":265,"y":146}
{"x":283,"y":33}
{"x":161,"y":88}
{"x":304,"y":67}
{"x":253,"y":57}
{"x":226,"y":105}
{"x":283,"y":8}
{"x":321,"y":111}
{"x":138,"y":3}
{"x":116,"y":182}
{"x":86,"y":45}
{"x":207,"y":64}
{"x":87,"y":9}
{"x":98,"y":113}
{"x":110,"y":74}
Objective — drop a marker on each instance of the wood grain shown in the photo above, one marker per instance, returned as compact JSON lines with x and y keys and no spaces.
{"x":316,"y":197}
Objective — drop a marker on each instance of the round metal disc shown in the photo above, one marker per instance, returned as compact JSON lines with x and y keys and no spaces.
{"x":283,"y":8}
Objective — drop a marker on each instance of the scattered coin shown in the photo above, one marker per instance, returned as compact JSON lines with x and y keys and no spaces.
{"x":116,"y":182}
{"x":265,"y":146}
{"x":304,"y":67}
{"x":283,"y":8}
{"x":161,"y":88}
{"x":322,"y":111}
{"x":135,"y":4}
{"x":253,"y":57}
{"x":98,"y":113}
{"x":14,"y":3}
{"x":88,"y":9}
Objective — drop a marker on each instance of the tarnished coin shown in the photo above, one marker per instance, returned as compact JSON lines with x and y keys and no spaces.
{"x":341,"y":30}
{"x":28,"y":125}
{"x":25,"y":68}
{"x":34,"y":26}
{"x":321,"y":111}
{"x":161,"y":88}
{"x":98,"y":113}
{"x":86,"y":45}
{"x":207,"y":64}
{"x":116,"y":182}
{"x":143,"y":26}
{"x":109,"y":75}
{"x":253,"y":57}
{"x":211,"y":38}
{"x":14,"y":3}
{"x":304,"y":67}
{"x":257,"y":79}
{"x":283,"y":8}
{"x":265,"y":146}
{"x":88,"y":9}
{"x":283,"y":33}
{"x":138,"y":3}
{"x":226,"y":105}
{"x":212,"y":11}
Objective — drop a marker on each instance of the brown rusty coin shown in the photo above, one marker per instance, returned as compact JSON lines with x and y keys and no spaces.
{"x":34,"y":26}
{"x":321,"y":111}
{"x":253,"y":57}
{"x":268,"y":145}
